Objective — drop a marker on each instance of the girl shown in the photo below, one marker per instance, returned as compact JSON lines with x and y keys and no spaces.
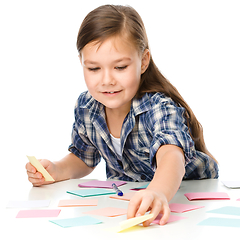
{"x":131,"y":116}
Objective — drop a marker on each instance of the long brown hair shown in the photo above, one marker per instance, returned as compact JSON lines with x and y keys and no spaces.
{"x":115,"y":20}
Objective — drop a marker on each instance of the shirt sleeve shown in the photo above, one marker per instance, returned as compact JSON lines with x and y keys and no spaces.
{"x":81,"y":145}
{"x":169,"y":127}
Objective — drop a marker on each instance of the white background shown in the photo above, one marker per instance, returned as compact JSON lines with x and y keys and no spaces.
{"x":195,"y":44}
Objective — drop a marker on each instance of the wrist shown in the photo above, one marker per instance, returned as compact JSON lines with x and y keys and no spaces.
{"x":161,"y":190}
{"x":60,"y":170}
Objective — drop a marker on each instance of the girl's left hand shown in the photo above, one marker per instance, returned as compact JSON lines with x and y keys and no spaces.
{"x":146,"y":200}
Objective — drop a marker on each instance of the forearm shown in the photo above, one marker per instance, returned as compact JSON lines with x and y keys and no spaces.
{"x":165,"y":183}
{"x":72,"y":167}
{"x":170,"y":171}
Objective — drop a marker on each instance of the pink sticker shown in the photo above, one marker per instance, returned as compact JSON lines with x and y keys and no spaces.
{"x":172,"y":218}
{"x":101,"y":184}
{"x":207,"y":196}
{"x":180,"y":208}
{"x":38,"y":213}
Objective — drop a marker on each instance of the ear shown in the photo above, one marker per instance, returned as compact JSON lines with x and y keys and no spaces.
{"x":145,"y":60}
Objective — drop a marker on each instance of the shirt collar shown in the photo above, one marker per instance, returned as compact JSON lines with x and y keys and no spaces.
{"x":139,"y":105}
{"x":95,"y":108}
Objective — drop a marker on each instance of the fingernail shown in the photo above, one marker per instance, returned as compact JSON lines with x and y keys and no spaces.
{"x":162,"y":222}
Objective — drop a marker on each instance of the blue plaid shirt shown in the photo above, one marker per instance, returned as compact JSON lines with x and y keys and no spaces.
{"x":153,"y":121}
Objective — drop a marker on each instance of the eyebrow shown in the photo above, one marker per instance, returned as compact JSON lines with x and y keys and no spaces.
{"x":116,"y":61}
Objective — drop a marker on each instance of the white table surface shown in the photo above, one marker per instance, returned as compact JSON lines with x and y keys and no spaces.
{"x":41,"y":228}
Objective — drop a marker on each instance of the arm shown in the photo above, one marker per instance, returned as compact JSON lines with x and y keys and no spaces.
{"x":170,"y":170}
{"x":165,"y":183}
{"x":69,"y":167}
{"x":72,"y":167}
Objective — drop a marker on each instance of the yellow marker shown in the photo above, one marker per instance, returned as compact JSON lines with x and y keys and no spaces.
{"x":134,"y":221}
{"x":40,"y":168}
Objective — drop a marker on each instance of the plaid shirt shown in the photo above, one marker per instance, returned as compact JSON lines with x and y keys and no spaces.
{"x":153,"y":121}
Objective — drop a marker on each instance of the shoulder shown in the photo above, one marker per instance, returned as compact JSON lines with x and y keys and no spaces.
{"x":161,"y":105}
{"x":164,"y":113}
{"x":150,"y":101}
{"x":160,"y":99}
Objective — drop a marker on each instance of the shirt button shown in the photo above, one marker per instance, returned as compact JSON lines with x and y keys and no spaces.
{"x":143,"y":177}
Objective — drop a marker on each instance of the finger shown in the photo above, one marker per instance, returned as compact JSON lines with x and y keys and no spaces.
{"x":133,"y":206}
{"x":36,"y":175}
{"x":157,"y":207}
{"x":36,"y":181}
{"x":145,"y":205}
{"x":30,"y":168}
{"x":166,"y":214}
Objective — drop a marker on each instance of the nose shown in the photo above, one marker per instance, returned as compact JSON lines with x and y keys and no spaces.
{"x":107,"y":78}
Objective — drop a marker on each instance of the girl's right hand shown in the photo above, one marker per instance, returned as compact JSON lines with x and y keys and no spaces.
{"x":35,"y":177}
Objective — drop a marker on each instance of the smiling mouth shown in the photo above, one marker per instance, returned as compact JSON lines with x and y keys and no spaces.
{"x":112,"y":92}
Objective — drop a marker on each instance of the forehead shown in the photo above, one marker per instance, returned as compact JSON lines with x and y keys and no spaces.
{"x":114,"y":46}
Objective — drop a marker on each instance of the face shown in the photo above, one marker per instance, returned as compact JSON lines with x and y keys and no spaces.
{"x":112,"y":72}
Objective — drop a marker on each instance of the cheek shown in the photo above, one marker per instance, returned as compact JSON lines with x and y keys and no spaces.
{"x":89,"y":79}
{"x":135,"y":76}
{"x":136,"y":71}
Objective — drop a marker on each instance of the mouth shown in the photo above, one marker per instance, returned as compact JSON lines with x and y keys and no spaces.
{"x":111,"y":93}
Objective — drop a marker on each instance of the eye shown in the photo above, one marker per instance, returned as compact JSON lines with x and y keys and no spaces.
{"x":121,"y":68}
{"x":94,"y":69}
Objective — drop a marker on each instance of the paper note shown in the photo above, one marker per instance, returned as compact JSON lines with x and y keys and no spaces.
{"x":133,"y":221}
{"x":232,"y":184}
{"x":101,"y":184}
{"x":28,"y":204}
{"x":77,"y":202}
{"x":180,"y":208}
{"x":140,"y":188}
{"x":40,"y":168}
{"x":207,"y":196}
{"x":91,"y":192}
{"x":172,"y":218}
{"x":126,"y":196}
{"x":227,"y":210}
{"x":108,"y":212}
{"x":38,"y":213}
{"x":79,"y":221}
{"x":221,"y":222}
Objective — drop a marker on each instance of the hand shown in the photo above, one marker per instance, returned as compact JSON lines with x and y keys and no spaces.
{"x":146,"y":200}
{"x":35,"y":177}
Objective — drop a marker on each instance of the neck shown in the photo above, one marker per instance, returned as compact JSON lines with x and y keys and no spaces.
{"x":114,"y":119}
